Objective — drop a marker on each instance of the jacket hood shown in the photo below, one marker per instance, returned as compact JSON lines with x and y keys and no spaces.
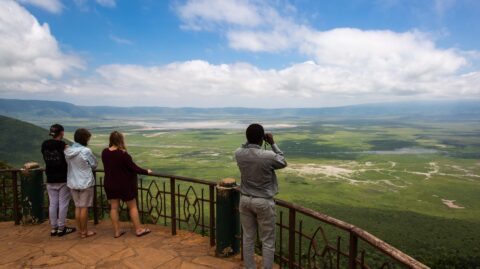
{"x":73,"y":151}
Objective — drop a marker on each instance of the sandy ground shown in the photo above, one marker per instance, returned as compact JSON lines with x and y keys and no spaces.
{"x":451,"y":204}
{"x":315,"y":169}
{"x":349,"y":171}
{"x":154,"y":134}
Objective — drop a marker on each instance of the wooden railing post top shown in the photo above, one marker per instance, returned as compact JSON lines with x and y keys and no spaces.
{"x":227,"y":183}
{"x":30,"y":165}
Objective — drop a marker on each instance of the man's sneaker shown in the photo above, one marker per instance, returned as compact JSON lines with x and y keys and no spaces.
{"x":65,"y":230}
{"x":54,"y":232}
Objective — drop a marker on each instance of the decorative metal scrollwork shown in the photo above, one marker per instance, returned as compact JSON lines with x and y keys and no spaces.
{"x":154,"y":201}
{"x":320,"y":252}
{"x":191,"y":207}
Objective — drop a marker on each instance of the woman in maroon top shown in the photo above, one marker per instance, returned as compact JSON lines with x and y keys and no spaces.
{"x":121,"y":182}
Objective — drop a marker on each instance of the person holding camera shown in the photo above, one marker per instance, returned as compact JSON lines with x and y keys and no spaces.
{"x":258,"y":187}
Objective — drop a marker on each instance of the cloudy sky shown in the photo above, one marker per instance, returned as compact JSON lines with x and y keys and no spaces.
{"x":247,"y":53}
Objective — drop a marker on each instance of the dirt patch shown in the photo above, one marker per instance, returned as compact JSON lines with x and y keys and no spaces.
{"x":316,"y":169}
{"x":154,"y":134}
{"x":451,"y":204}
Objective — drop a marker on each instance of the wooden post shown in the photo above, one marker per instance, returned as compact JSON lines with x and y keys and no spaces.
{"x":16,"y":214}
{"x":211,"y":190}
{"x":291,"y":237}
{"x":353,"y":251}
{"x":95,"y":201}
{"x":173,"y":208}
{"x":142,"y":215}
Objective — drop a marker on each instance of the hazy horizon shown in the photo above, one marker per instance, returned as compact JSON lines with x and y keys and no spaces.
{"x":428,"y":101}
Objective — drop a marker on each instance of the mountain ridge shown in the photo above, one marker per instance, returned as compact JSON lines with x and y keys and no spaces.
{"x":27,"y":109}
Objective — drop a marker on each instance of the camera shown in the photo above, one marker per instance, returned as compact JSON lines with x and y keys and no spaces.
{"x":265,"y":137}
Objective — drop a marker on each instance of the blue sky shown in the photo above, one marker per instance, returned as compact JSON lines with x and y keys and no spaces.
{"x":211,"y":53}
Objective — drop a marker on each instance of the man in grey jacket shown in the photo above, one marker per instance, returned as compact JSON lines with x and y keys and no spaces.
{"x":258,"y":186}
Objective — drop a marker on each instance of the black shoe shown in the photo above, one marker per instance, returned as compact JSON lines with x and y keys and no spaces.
{"x":65,"y":230}
{"x":54,"y":232}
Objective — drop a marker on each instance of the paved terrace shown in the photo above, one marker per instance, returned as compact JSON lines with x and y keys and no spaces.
{"x":32,"y":247}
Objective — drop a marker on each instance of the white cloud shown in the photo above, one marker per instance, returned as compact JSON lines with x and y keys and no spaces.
{"x":54,"y":6}
{"x":372,"y":61}
{"x":119,"y":40}
{"x":199,"y":83}
{"x":107,"y":3}
{"x":28,"y":51}
{"x":203,"y":14}
{"x":409,"y":54}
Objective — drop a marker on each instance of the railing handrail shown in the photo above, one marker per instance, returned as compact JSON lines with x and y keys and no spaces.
{"x":154,"y":174}
{"x":374,"y":241}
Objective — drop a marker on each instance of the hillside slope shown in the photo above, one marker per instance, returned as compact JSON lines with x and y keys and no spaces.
{"x":20,"y":142}
{"x":31,"y":109}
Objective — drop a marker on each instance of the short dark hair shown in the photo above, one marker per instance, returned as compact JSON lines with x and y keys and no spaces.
{"x":255,"y":133}
{"x":82,"y":136}
{"x":55,"y":130}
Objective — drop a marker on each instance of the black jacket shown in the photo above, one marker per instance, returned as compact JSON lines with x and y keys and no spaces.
{"x":55,"y":164}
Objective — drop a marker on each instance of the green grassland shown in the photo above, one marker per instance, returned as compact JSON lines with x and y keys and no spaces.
{"x":387,"y":178}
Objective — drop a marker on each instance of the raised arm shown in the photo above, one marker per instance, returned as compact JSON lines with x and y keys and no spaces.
{"x":133,"y":167}
{"x":278,"y":161}
{"x":90,"y":158}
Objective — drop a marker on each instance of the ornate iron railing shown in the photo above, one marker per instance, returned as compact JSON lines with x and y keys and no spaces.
{"x":305,"y":238}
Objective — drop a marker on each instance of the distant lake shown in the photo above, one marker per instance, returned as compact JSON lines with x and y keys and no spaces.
{"x":215,"y":124}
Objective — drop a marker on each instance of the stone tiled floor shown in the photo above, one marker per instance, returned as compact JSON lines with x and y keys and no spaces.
{"x":32,"y":247}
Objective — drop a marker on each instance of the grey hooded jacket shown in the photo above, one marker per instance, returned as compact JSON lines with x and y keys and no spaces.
{"x":81,"y":162}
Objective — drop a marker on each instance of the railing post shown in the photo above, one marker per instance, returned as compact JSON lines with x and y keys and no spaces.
{"x":15,"y":197}
{"x":353,"y":251}
{"x":141,"y":201}
{"x":95,"y":201}
{"x":32,"y":195}
{"x":291,"y":237}
{"x":211,"y":190}
{"x":173,"y":208}
{"x":227,"y":228}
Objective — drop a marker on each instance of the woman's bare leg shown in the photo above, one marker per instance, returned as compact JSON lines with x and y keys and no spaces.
{"x":84,"y":219}
{"x":77,"y":219}
{"x":133,"y":210}
{"x":114,"y":216}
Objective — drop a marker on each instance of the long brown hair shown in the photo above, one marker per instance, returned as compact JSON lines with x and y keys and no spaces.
{"x":117,"y":140}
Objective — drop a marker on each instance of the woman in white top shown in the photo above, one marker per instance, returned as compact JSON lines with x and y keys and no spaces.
{"x":80,"y":180}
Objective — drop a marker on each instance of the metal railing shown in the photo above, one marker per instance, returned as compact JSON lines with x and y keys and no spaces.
{"x":306,"y":239}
